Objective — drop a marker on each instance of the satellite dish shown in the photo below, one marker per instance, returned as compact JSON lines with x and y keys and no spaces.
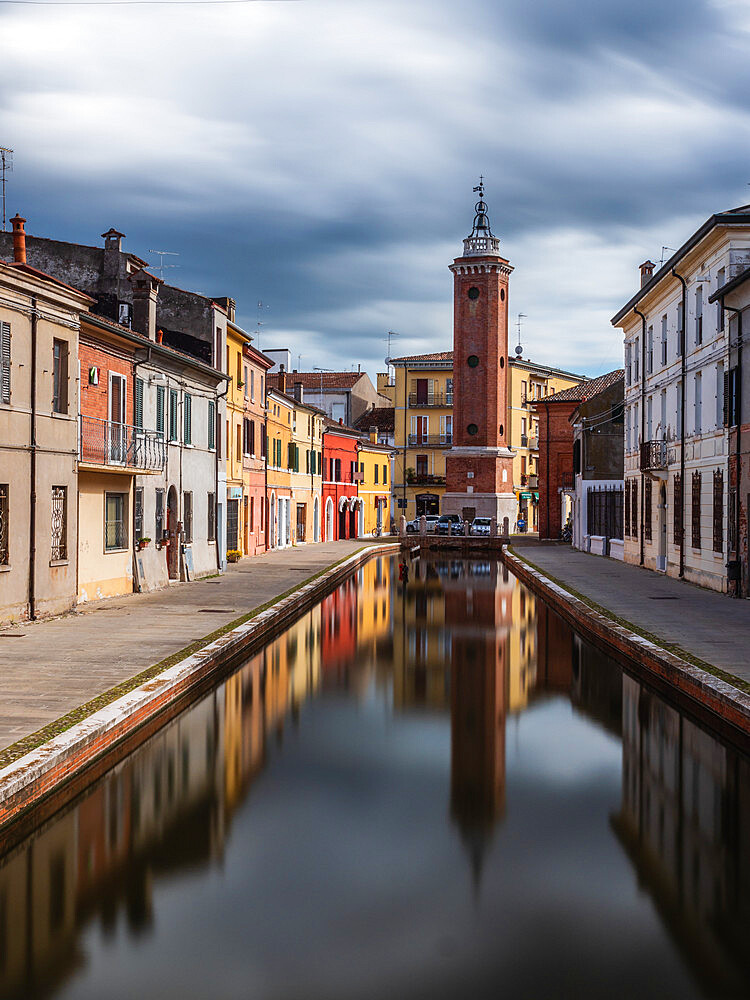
{"x":519,"y":350}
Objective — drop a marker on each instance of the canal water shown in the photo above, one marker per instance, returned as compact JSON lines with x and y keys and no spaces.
{"x":429,"y":788}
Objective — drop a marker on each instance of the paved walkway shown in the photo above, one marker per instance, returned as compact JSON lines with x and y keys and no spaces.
{"x":49,"y":668}
{"x":711,"y":626}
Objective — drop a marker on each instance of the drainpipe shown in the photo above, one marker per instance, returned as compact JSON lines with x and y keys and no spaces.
{"x":643,"y":413}
{"x":738,"y":444}
{"x":683,"y":371}
{"x":32,"y":470}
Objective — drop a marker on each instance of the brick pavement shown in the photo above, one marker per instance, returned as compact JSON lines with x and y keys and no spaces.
{"x":49,"y":668}
{"x":711,"y":626}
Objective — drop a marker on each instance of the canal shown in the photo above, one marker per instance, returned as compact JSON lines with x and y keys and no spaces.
{"x":430,"y":788}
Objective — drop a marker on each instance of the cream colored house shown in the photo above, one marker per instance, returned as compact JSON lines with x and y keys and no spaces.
{"x":39,"y":325}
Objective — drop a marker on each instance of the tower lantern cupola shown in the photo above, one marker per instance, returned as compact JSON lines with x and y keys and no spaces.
{"x":480,"y":242}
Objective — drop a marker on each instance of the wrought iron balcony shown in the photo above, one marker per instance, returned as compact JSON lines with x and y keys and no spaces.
{"x":424,"y":479}
{"x":105,"y":442}
{"x":429,"y":440}
{"x":653,"y":456}
{"x":431,"y":399}
{"x":524,"y":441}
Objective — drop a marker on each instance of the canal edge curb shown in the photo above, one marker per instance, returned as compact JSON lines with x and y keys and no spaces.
{"x":46,"y":769}
{"x":729,"y":703}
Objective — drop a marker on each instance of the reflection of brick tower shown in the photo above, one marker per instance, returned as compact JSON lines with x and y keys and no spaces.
{"x":479,"y":466}
{"x":479,"y":664}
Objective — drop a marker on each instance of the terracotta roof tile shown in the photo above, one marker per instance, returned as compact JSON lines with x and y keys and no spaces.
{"x":382,"y":417}
{"x":585,"y":390}
{"x":440,"y":356}
{"x":314,"y":380}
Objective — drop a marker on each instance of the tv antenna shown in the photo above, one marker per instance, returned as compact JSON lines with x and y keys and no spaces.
{"x":661,"y":262}
{"x":320,"y":403}
{"x":388,"y":337}
{"x":161,"y":254}
{"x":6,"y":166}
{"x":259,"y":323}
{"x":519,"y":349}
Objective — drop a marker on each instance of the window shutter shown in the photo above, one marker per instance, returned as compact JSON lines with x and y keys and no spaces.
{"x":188,"y":402}
{"x":726,"y":398}
{"x":160,"y":410}
{"x":211,"y":423}
{"x":5,"y":362}
{"x":138,"y":416}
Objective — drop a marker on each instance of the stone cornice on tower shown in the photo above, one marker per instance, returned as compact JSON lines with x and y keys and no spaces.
{"x":494,"y":266}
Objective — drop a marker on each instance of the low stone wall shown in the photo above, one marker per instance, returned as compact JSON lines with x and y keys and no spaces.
{"x":727,"y":703}
{"x":63,"y":760}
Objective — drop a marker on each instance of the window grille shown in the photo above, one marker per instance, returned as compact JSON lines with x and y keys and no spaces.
{"x":211,"y":517}
{"x":604,"y":511}
{"x":115,"y":527}
{"x":138,"y":513}
{"x":627,"y":508}
{"x":647,"y":491}
{"x":4,"y":529}
{"x":634,"y":509}
{"x":58,"y":523}
{"x":718,"y":511}
{"x":5,"y":362}
{"x":677,"y":511}
{"x":695,"y":510}
{"x":187,"y":515}
{"x":732,"y":519}
{"x":211,"y":424}
{"x":159,"y":517}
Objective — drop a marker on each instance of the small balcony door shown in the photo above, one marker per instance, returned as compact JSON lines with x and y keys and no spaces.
{"x":420,"y":429}
{"x":422,"y":391}
{"x":116,"y":428}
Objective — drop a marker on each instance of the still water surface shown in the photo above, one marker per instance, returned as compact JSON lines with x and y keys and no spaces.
{"x":424,"y":790}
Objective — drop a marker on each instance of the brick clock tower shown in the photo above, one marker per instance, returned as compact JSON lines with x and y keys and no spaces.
{"x":479,"y":466}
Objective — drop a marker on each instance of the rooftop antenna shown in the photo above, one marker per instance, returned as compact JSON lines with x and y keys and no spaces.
{"x":389,"y":336}
{"x":161,"y":254}
{"x":519,"y":349}
{"x":6,"y":166}
{"x":259,"y":324}
{"x":321,"y":370}
{"x":661,"y":262}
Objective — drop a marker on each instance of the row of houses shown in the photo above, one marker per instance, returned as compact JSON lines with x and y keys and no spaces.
{"x":143,"y":438}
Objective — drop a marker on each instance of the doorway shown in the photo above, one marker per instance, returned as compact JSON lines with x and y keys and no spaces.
{"x":233,"y":524}
{"x":116,"y":415}
{"x":422,"y":391}
{"x":329,"y":520}
{"x":301,"y":522}
{"x":173,"y":547}
{"x":427,"y":503}
{"x":342,"y":523}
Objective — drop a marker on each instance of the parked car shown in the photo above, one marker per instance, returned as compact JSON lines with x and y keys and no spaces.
{"x":449,"y":524}
{"x":412,"y":527}
{"x":481,"y":526}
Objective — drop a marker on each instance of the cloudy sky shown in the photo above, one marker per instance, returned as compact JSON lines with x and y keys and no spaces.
{"x":320,"y":155}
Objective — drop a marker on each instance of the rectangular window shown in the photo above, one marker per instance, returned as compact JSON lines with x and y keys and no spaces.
{"x":138,"y":513}
{"x":238,"y":437}
{"x":138,"y":405}
{"x":262,"y":440}
{"x":647,"y":492}
{"x":173,"y":415}
{"x":719,"y":394}
{"x":60,"y":376}
{"x":187,"y":515}
{"x":4,"y":526}
{"x":252,"y":513}
{"x":698,"y":396}
{"x":628,"y":364}
{"x":251,"y":442}
{"x":159,"y":516}
{"x":240,"y":383}
{"x":680,"y":330}
{"x":115,"y":521}
{"x":664,"y":340}
{"x":732,"y":519}
{"x":187,"y":418}
{"x":4,"y":362}
{"x":627,"y":507}
{"x":699,"y":314}
{"x":695,"y":510}
{"x":731,"y":400}
{"x":524,"y":394}
{"x":160,"y":411}
{"x":59,"y":523}
{"x":376,"y":473}
{"x":634,"y":508}
{"x":247,"y":387}
{"x":678,"y":388}
{"x":677,"y":511}
{"x":649,"y":417}
{"x":252,"y":385}
{"x":720,"y":275}
{"x":385,"y":474}
{"x":211,"y":424}
{"x":650,"y":350}
{"x":211,"y":525}
{"x":718,"y":510}
{"x":337,"y":477}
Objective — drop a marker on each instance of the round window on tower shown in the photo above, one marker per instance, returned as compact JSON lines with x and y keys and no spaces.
{"x":473,"y":292}
{"x":502,"y":295}
{"x":472,"y":429}
{"x":472,"y":361}
{"x":501,"y":430}
{"x":502,"y":362}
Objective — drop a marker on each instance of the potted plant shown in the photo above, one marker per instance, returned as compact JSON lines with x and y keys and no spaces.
{"x":233,"y":555}
{"x":143,"y":543}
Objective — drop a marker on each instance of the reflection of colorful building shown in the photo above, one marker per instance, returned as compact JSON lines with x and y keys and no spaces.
{"x":373,"y":608}
{"x":338,"y":630}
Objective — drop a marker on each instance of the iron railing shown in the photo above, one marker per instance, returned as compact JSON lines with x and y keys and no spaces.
{"x":425,"y":479}
{"x":604,"y":511}
{"x":653,"y":455}
{"x":106,"y":442}
{"x":431,"y":399}
{"x":429,"y":440}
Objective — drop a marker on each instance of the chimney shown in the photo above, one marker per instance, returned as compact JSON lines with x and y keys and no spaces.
{"x":373,"y":435}
{"x":282,"y":379}
{"x":298,"y":392}
{"x":647,"y":272}
{"x":112,"y":252}
{"x":145,"y":291}
{"x":159,"y":336}
{"x":19,"y":239}
{"x":229,"y":305}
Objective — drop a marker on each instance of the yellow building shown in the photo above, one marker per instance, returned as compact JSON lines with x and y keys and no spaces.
{"x":295,"y":470}
{"x":235,"y":415}
{"x":279,"y":412}
{"x":423,"y":401}
{"x":374,"y":486}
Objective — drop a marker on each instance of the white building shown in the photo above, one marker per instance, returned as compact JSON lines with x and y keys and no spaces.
{"x":677,"y":469}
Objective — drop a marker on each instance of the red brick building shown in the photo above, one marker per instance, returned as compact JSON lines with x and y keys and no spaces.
{"x":556,"y":478}
{"x":340,"y":482}
{"x":479,"y":466}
